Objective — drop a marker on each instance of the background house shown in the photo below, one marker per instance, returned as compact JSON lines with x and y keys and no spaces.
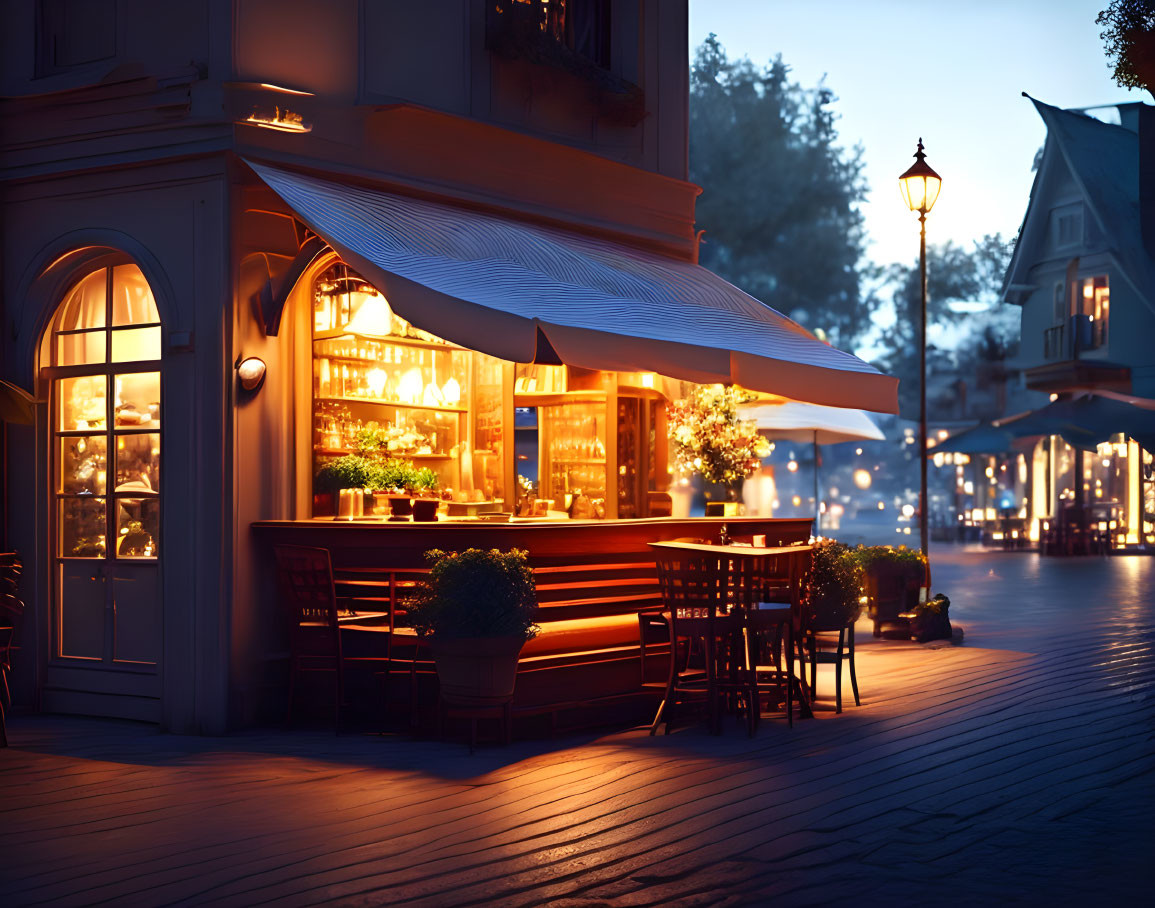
{"x":1085,"y":277}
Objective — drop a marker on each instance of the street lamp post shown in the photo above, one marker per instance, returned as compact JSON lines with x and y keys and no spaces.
{"x":920,"y":186}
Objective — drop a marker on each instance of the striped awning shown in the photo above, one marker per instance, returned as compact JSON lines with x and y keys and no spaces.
{"x":530,"y":293}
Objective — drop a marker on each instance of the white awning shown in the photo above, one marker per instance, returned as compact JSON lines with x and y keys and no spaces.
{"x":516,"y":290}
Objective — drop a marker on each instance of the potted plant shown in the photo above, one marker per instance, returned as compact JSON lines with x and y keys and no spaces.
{"x":834,"y":589}
{"x":478,"y":609}
{"x":394,"y":478}
{"x":893,"y":577}
{"x":348,"y":472}
{"x":423,"y":483}
{"x":932,"y":620}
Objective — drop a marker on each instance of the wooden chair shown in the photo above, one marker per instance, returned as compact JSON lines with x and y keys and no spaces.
{"x":695,"y":589}
{"x":774,"y":620}
{"x":11,"y":616}
{"x":820,"y":648}
{"x":305,"y":579}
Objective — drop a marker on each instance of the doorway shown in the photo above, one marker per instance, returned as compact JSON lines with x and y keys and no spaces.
{"x":101,"y":359}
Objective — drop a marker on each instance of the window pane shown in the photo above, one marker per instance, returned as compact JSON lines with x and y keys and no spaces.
{"x":82,"y":402}
{"x":83,"y":465}
{"x":137,"y":527}
{"x":82,"y":527}
{"x":81,"y":611}
{"x":132,"y":302}
{"x":138,"y":400}
{"x":84,"y":306}
{"x":81,"y":349}
{"x":138,"y":462}
{"x":136,"y":596}
{"x":135,"y":344}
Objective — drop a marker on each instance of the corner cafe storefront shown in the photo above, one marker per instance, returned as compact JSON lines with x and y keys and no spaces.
{"x":424,"y":323}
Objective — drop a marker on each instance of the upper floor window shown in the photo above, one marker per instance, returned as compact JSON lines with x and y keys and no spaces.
{"x":1067,"y":226}
{"x":1082,"y":312}
{"x":74,"y":32}
{"x":1092,"y":303}
{"x":579,"y":26}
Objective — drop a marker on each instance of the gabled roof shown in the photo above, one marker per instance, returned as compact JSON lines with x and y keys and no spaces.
{"x":1103,"y":160}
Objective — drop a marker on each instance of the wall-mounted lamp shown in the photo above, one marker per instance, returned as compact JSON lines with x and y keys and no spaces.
{"x":251,"y":372}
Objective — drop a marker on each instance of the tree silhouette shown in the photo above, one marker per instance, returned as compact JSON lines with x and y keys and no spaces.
{"x":1129,"y":40}
{"x":779,"y":195}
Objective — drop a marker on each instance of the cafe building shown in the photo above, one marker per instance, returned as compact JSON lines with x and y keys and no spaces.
{"x":461,"y":240}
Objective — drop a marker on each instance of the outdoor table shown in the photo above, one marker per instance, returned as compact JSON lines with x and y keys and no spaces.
{"x":795,"y":558}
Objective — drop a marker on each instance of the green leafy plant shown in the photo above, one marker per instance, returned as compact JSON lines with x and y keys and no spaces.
{"x":834,"y":590}
{"x":423,"y":480}
{"x":476,"y":593}
{"x":348,"y":472}
{"x":370,"y":441}
{"x":870,"y":555}
{"x":393,"y":474}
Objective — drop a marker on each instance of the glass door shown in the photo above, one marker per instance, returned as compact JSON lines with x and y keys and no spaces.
{"x":106,"y":460}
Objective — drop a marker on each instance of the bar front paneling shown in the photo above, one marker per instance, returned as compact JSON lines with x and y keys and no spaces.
{"x":593,"y":579}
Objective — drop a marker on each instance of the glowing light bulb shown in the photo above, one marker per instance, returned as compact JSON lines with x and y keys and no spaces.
{"x":376,"y":379}
{"x":371,"y":313}
{"x":410,"y":387}
{"x":452,"y":392}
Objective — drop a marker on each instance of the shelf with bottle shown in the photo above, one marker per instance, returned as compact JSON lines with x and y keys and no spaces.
{"x":342,"y":429}
{"x":393,"y":340}
{"x":434,"y":382}
{"x":341,"y":452}
{"x":390,"y":403}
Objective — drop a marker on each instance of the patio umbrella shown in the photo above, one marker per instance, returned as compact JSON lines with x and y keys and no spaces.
{"x":792,"y":420}
{"x":1087,"y":421}
{"x":984,"y":438}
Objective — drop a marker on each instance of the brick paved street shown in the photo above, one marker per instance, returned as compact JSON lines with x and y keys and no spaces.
{"x":1018,"y":768}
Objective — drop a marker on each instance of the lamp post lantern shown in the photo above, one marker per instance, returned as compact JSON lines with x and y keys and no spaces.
{"x":920,"y":186}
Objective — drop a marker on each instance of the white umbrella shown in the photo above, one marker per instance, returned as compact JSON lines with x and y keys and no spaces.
{"x":791,"y":420}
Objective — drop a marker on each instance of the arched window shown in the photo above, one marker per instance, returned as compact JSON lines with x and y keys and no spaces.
{"x":102,"y":355}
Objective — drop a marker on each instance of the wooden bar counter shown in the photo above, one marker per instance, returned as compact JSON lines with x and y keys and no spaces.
{"x":594,"y":578}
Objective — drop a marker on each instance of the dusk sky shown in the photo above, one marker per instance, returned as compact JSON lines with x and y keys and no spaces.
{"x":960,"y":90}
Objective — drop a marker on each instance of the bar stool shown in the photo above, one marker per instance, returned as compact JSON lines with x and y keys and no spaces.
{"x":765,"y":589}
{"x":696,"y":591}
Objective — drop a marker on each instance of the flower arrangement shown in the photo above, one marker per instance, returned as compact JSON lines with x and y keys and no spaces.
{"x":710,"y":439}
